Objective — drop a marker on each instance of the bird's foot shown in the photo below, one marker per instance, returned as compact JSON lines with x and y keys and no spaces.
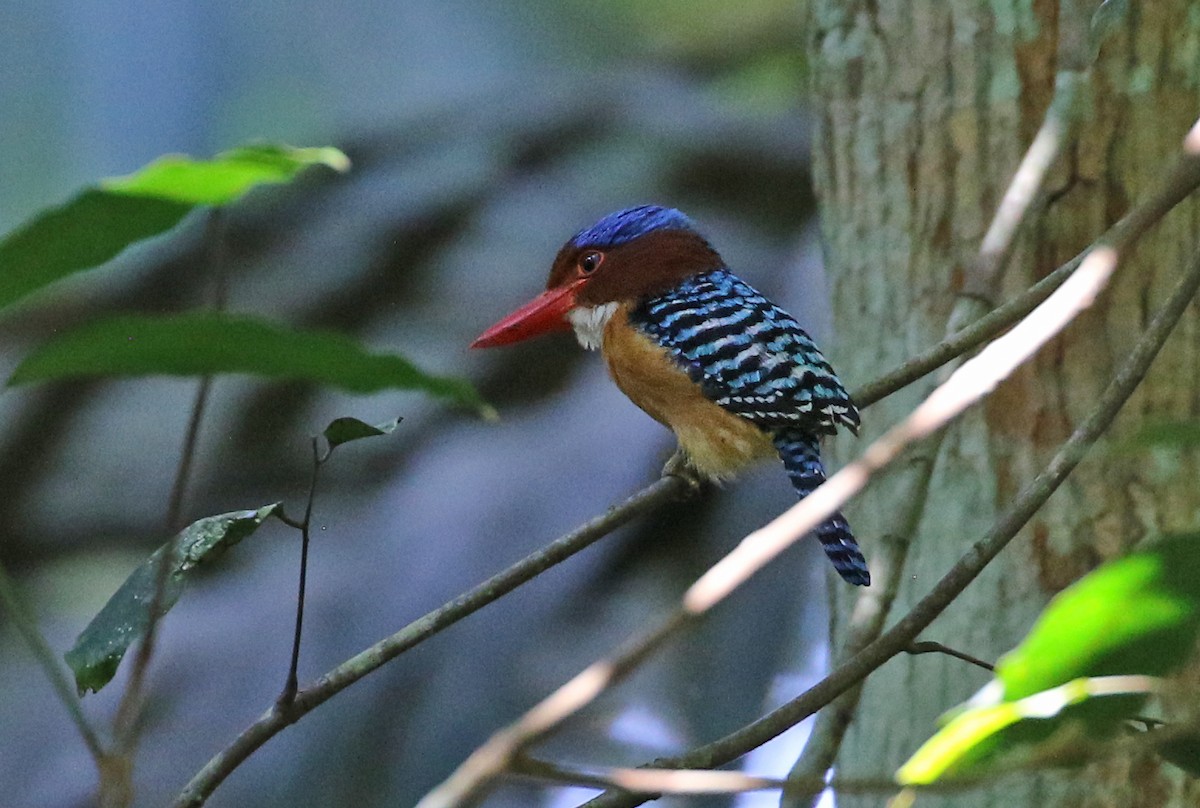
{"x":678,"y":466}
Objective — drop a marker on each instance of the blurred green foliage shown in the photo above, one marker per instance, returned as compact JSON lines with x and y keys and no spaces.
{"x":1133,"y":618}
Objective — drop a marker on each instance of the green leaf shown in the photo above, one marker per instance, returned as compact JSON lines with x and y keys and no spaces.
{"x":99,"y":223}
{"x":204,"y":343}
{"x":1136,"y":615}
{"x":124,"y":619}
{"x":86,"y":232}
{"x":225,"y":178}
{"x":1110,"y":634}
{"x":1018,"y":730}
{"x":344,"y":430}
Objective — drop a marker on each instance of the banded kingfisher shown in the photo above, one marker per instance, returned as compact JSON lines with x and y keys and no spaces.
{"x":734,"y":376}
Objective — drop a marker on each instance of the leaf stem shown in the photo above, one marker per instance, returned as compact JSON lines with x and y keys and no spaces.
{"x":215,"y":240}
{"x":288,"y":695}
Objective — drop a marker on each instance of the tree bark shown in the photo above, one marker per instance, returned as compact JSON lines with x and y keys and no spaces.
{"x":924,"y":109}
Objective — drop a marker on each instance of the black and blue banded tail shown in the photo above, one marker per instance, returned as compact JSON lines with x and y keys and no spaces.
{"x":801,"y":455}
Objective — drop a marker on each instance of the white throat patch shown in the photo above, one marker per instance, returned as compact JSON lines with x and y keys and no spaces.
{"x":589,"y":322}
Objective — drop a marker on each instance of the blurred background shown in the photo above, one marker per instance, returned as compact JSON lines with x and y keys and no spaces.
{"x":482,"y":135}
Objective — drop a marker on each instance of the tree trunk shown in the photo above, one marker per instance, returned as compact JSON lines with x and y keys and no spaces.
{"x":924,"y":109}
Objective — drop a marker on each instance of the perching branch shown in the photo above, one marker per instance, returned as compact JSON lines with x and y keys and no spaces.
{"x":968,"y":385}
{"x":896,"y":639}
{"x":358,"y":666}
{"x":1180,"y":181}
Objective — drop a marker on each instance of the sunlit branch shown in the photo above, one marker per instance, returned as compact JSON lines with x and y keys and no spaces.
{"x":970,"y":383}
{"x":896,"y":639}
{"x":271,"y":722}
{"x":1178,"y":182}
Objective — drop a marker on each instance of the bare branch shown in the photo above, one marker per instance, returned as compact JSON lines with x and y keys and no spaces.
{"x":126,"y":722}
{"x":1178,"y":182}
{"x":275,"y":719}
{"x":975,"y":379}
{"x":291,"y":682}
{"x":896,"y":639}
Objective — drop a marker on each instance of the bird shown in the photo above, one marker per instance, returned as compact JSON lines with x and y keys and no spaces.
{"x":698,"y":349}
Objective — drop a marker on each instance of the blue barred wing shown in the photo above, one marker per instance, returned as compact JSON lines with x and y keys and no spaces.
{"x":748,"y":355}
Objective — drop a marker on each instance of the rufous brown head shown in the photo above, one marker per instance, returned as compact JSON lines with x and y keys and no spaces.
{"x":623,"y":257}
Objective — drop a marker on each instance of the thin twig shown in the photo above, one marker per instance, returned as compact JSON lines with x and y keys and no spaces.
{"x":214,"y":236}
{"x":288,"y":695}
{"x":1055,"y":131}
{"x":183,"y":471}
{"x":1179,"y":181}
{"x":27,"y":627}
{"x":282,"y":516}
{"x":125,"y":724}
{"x":964,"y":571}
{"x":358,"y":666}
{"x":931,"y":647}
{"x":969,"y":384}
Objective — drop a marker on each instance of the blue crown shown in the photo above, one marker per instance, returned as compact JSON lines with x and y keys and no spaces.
{"x":626,"y":225}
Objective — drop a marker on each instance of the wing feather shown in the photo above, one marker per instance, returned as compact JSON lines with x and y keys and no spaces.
{"x":748,"y":355}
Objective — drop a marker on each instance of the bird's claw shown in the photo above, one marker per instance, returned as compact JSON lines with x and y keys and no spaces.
{"x":678,"y":466}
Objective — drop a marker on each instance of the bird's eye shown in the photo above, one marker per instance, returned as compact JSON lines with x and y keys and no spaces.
{"x":589,"y":262}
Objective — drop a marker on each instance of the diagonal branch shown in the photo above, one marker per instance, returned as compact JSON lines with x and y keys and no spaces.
{"x":1178,"y":182}
{"x":896,"y":639}
{"x":970,"y":383}
{"x":279,"y":716}
{"x":965,"y":387}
